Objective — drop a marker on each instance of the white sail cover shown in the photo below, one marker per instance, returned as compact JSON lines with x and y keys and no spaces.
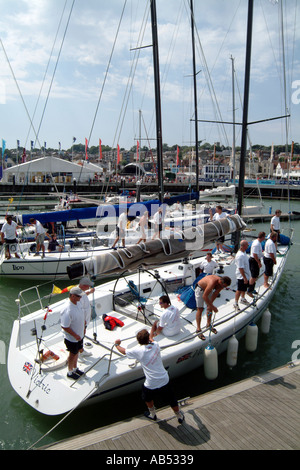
{"x":158,"y":251}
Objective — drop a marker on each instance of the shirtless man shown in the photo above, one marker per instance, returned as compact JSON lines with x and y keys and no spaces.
{"x":207,"y":290}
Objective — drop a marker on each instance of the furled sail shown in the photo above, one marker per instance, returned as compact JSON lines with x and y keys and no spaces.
{"x":158,"y":251}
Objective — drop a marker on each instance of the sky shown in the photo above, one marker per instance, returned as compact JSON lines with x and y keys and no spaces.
{"x":71,"y":68}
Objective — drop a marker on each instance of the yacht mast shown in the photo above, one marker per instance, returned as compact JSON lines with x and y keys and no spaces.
{"x":157,"y":100}
{"x":195,"y":98}
{"x":245,"y":108}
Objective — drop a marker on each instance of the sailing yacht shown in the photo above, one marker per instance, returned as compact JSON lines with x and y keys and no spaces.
{"x":37,"y":361}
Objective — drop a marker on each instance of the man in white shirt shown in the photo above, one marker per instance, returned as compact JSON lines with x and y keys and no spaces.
{"x":255,"y":259}
{"x":120,"y":229}
{"x":9,"y":236}
{"x":72,"y":323}
{"x":269,"y":258}
{"x":169,"y":322}
{"x":242,"y":273}
{"x":157,"y":219}
{"x":219,"y":214}
{"x":41,"y":233}
{"x":157,"y":380}
{"x":208,"y":265}
{"x":86,"y":285}
{"x":275,"y":224}
{"x":143,"y":224}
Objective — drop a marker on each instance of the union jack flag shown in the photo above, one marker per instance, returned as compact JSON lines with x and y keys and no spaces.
{"x":27,"y":367}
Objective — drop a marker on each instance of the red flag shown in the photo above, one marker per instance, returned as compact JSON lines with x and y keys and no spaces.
{"x":86,"y":149}
{"x":118,"y":155}
{"x":177,"y":162}
{"x":100,"y":149}
{"x":137,"y":151}
{"x":24,"y":156}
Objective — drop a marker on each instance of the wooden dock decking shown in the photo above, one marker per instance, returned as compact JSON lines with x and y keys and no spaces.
{"x":260,"y":413}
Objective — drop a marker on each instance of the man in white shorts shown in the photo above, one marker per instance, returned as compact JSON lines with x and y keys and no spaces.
{"x":206,"y":291}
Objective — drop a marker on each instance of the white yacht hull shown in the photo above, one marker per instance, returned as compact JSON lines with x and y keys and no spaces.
{"x":45,"y":386}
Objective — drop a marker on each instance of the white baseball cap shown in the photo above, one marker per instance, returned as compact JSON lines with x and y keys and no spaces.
{"x":85,"y":281}
{"x":76,"y":291}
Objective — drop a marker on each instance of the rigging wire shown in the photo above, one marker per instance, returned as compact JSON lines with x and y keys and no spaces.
{"x":19,"y":90}
{"x":106,"y":72}
{"x":208,"y":72}
{"x":104,"y":81}
{"x":56,"y":64}
{"x":130,"y":79}
{"x":46,"y":71}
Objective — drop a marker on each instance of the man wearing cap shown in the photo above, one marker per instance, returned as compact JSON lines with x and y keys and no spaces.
{"x":8,"y":236}
{"x":73,"y":325}
{"x":86,"y":285}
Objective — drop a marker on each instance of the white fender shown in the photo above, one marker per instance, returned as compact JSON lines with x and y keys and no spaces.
{"x":266,"y":322}
{"x":232,"y":351}
{"x":210,"y":362}
{"x":251,"y":337}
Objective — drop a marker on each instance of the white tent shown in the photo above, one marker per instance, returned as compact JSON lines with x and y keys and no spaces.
{"x":51,"y":169}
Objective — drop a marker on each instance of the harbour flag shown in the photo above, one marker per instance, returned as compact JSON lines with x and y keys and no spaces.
{"x":86,"y":149}
{"x":177,"y":161}
{"x":137,"y":151}
{"x":118,"y":154}
{"x":100,"y":149}
{"x":3,"y":147}
{"x":24,"y":155}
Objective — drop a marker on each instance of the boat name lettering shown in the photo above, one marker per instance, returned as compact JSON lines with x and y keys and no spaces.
{"x":184,"y":357}
{"x":40,"y":383}
{"x":16,"y":267}
{"x":50,"y":325}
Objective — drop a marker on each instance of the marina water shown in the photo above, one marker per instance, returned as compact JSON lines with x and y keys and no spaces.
{"x":21,"y":426}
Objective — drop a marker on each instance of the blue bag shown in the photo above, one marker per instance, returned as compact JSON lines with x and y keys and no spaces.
{"x":188,"y":295}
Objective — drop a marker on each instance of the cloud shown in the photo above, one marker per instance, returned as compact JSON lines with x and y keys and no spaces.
{"x":29,"y":27}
